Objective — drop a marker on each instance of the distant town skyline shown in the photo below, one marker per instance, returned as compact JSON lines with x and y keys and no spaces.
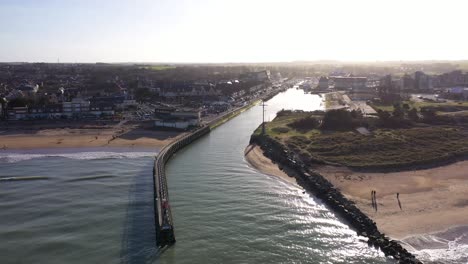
{"x":209,"y":31}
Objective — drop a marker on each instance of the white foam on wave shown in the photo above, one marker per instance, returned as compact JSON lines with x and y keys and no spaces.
{"x":17,"y":157}
{"x":446,"y":247}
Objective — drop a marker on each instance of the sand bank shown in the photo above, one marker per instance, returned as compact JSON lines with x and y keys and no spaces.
{"x":254,"y":155}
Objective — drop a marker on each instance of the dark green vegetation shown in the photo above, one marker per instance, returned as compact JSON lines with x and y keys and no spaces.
{"x":443,"y":106}
{"x":332,"y":138}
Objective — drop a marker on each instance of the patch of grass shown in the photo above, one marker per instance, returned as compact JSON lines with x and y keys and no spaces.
{"x":160,"y":67}
{"x":277,"y":127}
{"x":388,"y":108}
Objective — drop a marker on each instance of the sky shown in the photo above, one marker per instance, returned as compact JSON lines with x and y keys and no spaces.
{"x":232,"y":30}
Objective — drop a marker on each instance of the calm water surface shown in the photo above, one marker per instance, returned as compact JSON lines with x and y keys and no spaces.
{"x":96,"y":206}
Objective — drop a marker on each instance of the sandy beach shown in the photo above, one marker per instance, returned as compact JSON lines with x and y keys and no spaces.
{"x":106,"y":136}
{"x":432,"y":200}
{"x":254,"y":155}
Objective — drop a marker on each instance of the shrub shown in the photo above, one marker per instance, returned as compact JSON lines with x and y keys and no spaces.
{"x":340,"y":119}
{"x":304,"y":124}
{"x":280,"y":130}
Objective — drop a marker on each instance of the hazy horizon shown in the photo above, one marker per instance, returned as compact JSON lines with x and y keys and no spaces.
{"x":241,"y":31}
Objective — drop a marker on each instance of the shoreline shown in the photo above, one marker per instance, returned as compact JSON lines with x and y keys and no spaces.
{"x":118,"y":136}
{"x":397,"y":226}
{"x":72,"y":150}
{"x":254,"y":156}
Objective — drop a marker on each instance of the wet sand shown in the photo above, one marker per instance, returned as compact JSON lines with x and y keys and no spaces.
{"x":254,"y":155}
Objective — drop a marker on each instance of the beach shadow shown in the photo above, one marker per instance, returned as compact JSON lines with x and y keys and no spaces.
{"x":137,"y":133}
{"x":139,"y":238}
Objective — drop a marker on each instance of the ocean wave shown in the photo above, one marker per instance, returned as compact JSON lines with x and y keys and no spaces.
{"x":17,"y":157}
{"x":30,"y":178}
{"x":448,"y":247}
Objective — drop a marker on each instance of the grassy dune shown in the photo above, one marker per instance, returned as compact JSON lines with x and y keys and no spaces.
{"x":383,"y":148}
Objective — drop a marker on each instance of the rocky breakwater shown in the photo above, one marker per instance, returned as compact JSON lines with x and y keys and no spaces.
{"x":324,"y":190}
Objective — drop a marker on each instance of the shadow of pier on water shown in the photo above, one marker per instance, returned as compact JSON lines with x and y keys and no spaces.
{"x":139,"y":238}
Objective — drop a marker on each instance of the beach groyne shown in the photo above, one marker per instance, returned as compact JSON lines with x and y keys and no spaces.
{"x":333,"y":198}
{"x":164,"y":225}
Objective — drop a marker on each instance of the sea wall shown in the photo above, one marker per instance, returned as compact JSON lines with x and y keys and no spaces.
{"x":324,"y":190}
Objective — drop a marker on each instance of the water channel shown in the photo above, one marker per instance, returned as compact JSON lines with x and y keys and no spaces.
{"x":227,"y":212}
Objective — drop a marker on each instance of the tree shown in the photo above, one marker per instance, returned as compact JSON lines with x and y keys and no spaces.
{"x":18,"y":102}
{"x":142,"y":94}
{"x":383,"y":115}
{"x":305,"y":124}
{"x":413,"y":114}
{"x":398,"y":112}
{"x":338,"y":119}
{"x":428,"y":113}
{"x":406,"y":107}
{"x":3,"y":103}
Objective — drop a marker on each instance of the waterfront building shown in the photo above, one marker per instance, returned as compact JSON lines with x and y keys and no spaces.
{"x":407,"y":82}
{"x":422,"y":81}
{"x":99,"y":109}
{"x":323,"y":83}
{"x":76,"y":107}
{"x":171,"y":117}
{"x":18,"y":113}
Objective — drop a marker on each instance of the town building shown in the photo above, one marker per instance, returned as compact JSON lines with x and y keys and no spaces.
{"x":407,"y":82}
{"x":324,"y":83}
{"x":49,"y":111}
{"x":170,"y":117}
{"x":100,"y":109}
{"x":76,"y":107}
{"x":260,"y":76}
{"x":354,"y":83}
{"x":18,"y":113}
{"x":422,"y":81}
{"x":459,"y":92}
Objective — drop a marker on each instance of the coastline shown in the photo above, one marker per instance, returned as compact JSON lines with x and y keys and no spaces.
{"x":254,"y":156}
{"x":430,"y":238}
{"x":125,"y":136}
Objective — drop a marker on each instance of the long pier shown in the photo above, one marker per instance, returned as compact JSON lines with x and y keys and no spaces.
{"x":162,"y":209}
{"x":164,"y":224}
